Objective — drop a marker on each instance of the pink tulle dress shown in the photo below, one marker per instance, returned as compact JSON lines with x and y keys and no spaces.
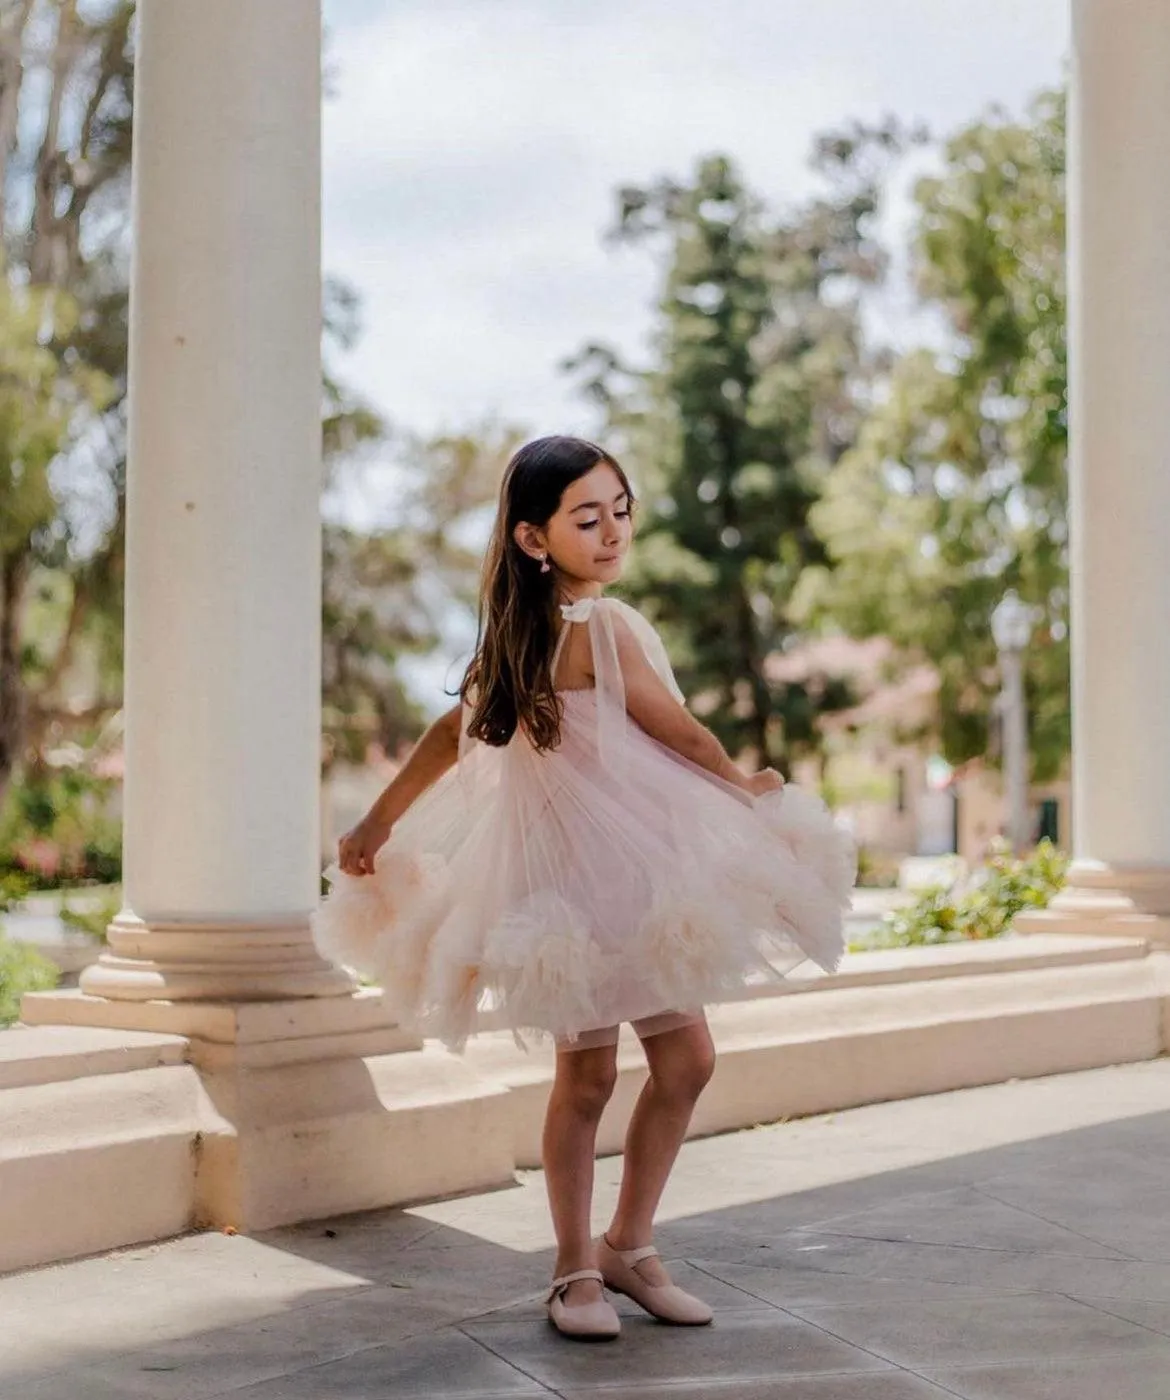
{"x":603,"y":881}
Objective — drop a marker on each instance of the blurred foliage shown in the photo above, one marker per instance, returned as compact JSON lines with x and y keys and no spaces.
{"x":91,"y":918}
{"x":391,"y":592}
{"x":66,"y":75}
{"x":956,"y":489}
{"x":733,"y":428}
{"x":56,"y":828}
{"x":877,"y":870}
{"x":15,"y":885}
{"x":22,"y":969}
{"x":982,"y":906}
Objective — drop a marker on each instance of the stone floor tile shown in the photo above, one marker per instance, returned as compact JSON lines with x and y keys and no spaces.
{"x":1144,"y":1311}
{"x":875,"y":1385}
{"x":742,"y":1346}
{"x":215,"y":1361}
{"x":68,"y":1384}
{"x":965,"y":1216}
{"x":60,"y":1316}
{"x":1028,"y":1327}
{"x":784,"y":1287}
{"x":448,"y":1366}
{"x":1132,"y":1215}
{"x":1118,"y":1377}
{"x":990,"y":1269}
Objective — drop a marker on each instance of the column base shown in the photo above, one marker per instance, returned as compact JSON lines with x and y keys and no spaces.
{"x":252,"y":960}
{"x":1101,"y":899}
{"x":239,"y":1035}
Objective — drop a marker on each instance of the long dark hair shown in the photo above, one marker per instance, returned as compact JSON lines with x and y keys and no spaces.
{"x":509,"y":680}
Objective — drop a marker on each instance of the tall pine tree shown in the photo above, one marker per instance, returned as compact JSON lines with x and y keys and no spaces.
{"x":751,"y":398}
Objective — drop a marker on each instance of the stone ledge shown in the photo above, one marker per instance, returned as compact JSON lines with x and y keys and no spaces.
{"x":95,"y":1163}
{"x":112,"y":1159}
{"x":970,"y":957}
{"x":804,"y":1054}
{"x":225,"y":1022}
{"x":1007,"y":954}
{"x":47,"y":1054}
{"x":241,"y":1035}
{"x":923,"y":1002}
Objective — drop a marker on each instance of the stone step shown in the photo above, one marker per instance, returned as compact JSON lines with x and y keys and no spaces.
{"x":48,"y":1054}
{"x":309,"y":1128}
{"x":841,"y":1046}
{"x":876,"y":967}
{"x":967,"y":956}
{"x":108,"y":1159}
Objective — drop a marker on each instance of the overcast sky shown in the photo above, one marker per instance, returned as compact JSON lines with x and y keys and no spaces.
{"x":472,"y":150}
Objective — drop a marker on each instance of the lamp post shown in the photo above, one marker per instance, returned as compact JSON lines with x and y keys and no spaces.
{"x":1011,"y":626}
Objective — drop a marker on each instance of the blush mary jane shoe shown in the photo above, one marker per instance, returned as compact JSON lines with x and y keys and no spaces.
{"x":587,"y":1322}
{"x":665,"y":1301}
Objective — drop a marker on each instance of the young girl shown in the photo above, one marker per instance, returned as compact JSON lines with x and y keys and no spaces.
{"x":595,"y":857}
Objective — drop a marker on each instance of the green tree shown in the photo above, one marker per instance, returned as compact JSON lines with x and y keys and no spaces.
{"x":956,"y":489}
{"x":65,"y":82}
{"x":66,"y":90}
{"x":751,"y":398}
{"x":394,"y":591}
{"x":46,"y":404}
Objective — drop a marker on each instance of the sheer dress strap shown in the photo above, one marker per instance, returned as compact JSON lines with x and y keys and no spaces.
{"x":464,"y":770}
{"x":609,"y":687}
{"x":599,"y":616}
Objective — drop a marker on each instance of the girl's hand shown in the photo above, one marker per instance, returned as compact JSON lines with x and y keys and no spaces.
{"x":766,"y":780}
{"x":357,"y":848}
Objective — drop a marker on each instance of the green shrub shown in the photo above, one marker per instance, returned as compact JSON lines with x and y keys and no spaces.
{"x":56,"y":829}
{"x":982,"y":906}
{"x":14,"y":886}
{"x":94,"y":920}
{"x":22,"y":969}
{"x":877,"y":870}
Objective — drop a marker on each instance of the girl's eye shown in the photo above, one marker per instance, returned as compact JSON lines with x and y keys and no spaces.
{"x":589,"y":524}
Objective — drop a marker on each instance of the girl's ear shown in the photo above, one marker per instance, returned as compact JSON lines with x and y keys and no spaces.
{"x":530,"y":539}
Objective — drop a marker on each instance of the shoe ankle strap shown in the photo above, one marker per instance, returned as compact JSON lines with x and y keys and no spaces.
{"x":565,"y":1279}
{"x":631,"y":1257}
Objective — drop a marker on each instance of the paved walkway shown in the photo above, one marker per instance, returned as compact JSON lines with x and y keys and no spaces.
{"x":1008,"y":1243}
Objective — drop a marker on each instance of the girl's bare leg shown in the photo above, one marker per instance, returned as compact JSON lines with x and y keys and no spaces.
{"x":681,"y":1063}
{"x":583,"y":1085}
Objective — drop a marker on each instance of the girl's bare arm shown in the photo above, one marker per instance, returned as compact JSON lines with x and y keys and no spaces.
{"x":651,"y":704}
{"x":435,"y":752}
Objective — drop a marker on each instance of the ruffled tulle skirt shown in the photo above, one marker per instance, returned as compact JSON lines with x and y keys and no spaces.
{"x":552,"y":894}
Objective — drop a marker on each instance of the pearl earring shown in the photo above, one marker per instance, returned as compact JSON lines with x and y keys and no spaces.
{"x":544,"y":564}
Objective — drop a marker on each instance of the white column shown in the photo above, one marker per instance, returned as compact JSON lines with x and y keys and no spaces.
{"x":223,"y":527}
{"x":1119,"y":332}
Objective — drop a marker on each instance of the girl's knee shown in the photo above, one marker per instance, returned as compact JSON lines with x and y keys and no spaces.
{"x":587,"y":1079}
{"x":685,"y":1076}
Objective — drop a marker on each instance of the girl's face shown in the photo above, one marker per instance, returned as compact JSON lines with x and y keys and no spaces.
{"x":587,"y":539}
